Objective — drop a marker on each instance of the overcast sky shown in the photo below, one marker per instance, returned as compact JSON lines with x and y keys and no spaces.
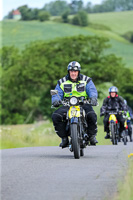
{"x":8,"y":5}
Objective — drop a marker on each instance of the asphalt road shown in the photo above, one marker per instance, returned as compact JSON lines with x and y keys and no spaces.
{"x":52,"y":173}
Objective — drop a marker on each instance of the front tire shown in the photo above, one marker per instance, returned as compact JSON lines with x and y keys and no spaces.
{"x":113,"y":133}
{"x":75,"y":140}
{"x":125,"y":138}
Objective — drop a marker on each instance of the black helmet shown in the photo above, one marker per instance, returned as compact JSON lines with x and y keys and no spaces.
{"x":113,"y":89}
{"x":74,"y":66}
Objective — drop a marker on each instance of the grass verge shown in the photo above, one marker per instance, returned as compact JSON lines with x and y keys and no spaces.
{"x":126,"y":188}
{"x":38,"y":134}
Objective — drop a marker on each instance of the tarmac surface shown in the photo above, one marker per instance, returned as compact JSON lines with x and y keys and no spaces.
{"x":52,"y":173}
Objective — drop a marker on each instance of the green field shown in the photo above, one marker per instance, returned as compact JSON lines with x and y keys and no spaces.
{"x":19,"y":33}
{"x":119,"y":22}
{"x":110,"y":25}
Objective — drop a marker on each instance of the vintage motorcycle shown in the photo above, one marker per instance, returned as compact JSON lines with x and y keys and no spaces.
{"x":128,"y":126}
{"x":76,"y":124}
{"x":114,"y":128}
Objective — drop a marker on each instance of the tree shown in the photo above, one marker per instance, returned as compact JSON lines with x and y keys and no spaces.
{"x":25,"y":12}
{"x":84,"y":18}
{"x":76,"y":6}
{"x":34,"y":13}
{"x":65,"y":17}
{"x":88,"y":7}
{"x":10,"y":14}
{"x":28,"y":76}
{"x":76,"y":20}
{"x":56,"y":8}
{"x":81,"y":19}
{"x":43,"y":16}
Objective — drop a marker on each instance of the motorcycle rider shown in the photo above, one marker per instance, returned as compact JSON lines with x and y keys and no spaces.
{"x":113,"y":103}
{"x":129,"y":116}
{"x":75,"y":84}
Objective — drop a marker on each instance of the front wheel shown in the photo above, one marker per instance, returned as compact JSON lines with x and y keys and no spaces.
{"x":125,"y":137}
{"x":114,"y":140}
{"x":75,"y":140}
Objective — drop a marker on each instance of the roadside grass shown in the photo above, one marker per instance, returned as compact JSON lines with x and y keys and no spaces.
{"x":28,"y":135}
{"x":38,"y":134}
{"x":125,"y":189}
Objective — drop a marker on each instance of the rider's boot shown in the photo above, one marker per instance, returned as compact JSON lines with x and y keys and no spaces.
{"x":93,"y":140}
{"x":64,"y":142}
{"x":121,"y":134}
{"x":107,"y":136}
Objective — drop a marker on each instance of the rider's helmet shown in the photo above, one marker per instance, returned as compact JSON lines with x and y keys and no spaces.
{"x":74,"y":66}
{"x":113,"y":89}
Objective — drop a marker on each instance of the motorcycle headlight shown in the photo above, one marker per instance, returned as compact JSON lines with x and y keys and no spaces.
{"x":73,"y":101}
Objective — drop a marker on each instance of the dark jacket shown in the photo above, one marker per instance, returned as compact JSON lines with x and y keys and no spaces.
{"x":116,"y":103}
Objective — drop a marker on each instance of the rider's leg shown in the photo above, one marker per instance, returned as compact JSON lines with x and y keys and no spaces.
{"x":121,"y":120}
{"x":106,"y":126}
{"x":91,"y":119}
{"x":60,"y":124}
{"x":130,"y":130}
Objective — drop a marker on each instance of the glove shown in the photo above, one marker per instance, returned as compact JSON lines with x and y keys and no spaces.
{"x":125,"y":113}
{"x":94,"y":101}
{"x":56,"y":103}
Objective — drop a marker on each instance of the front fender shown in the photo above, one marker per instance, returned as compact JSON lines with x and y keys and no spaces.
{"x":74,"y":120}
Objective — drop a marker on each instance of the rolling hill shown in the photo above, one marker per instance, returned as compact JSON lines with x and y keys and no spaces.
{"x":110,"y":25}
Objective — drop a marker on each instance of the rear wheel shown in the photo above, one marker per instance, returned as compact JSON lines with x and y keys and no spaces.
{"x":75,"y":140}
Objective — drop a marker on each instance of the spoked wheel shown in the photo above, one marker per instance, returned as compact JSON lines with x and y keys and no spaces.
{"x":113,"y":134}
{"x":75,"y":140}
{"x":124,"y":137}
{"x":116,"y":135}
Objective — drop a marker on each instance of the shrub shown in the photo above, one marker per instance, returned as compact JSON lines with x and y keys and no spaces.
{"x":81,"y":19}
{"x":76,"y":20}
{"x":43,"y":16}
{"x":65,"y":17}
{"x":129,"y":36}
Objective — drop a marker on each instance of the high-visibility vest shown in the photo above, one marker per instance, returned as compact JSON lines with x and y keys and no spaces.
{"x":77,"y":89}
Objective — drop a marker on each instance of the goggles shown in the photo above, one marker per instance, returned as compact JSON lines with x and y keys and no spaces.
{"x":73,"y":68}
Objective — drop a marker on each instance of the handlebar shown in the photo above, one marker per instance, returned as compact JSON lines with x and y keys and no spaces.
{"x":114,"y":112}
{"x":81,"y":101}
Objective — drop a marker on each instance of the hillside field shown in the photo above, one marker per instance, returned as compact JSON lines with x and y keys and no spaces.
{"x":119,"y":22}
{"x":20,"y":33}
